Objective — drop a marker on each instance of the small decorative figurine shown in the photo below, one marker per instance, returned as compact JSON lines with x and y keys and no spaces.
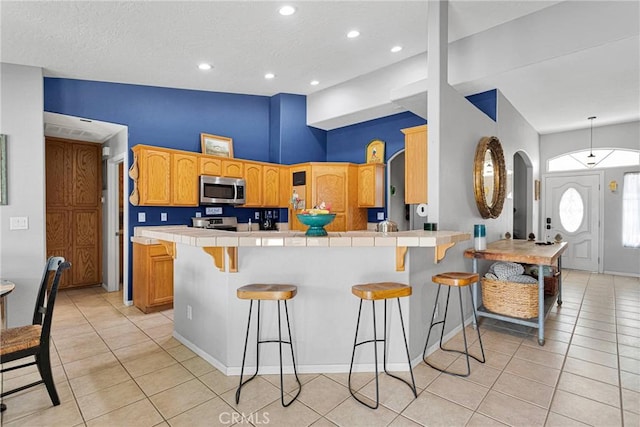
{"x":532,"y":237}
{"x":558,"y":238}
{"x":507,"y":235}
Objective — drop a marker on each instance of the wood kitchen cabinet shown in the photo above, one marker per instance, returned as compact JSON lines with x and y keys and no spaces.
{"x":415,"y":161}
{"x":184,"y":179}
{"x":153,"y":183}
{"x":285,"y":188}
{"x":232,"y":168}
{"x":164,"y":177}
{"x":371,"y":185}
{"x":210,"y":166}
{"x":253,"y":178}
{"x":152,"y":277}
{"x":271,"y":186}
{"x":337,"y":184}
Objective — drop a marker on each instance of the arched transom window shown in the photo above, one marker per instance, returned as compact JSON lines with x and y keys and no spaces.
{"x":604,"y":158}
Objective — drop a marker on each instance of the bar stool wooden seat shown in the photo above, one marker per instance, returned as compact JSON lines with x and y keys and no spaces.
{"x":268,"y":292}
{"x":373,"y":292}
{"x":457,"y":280}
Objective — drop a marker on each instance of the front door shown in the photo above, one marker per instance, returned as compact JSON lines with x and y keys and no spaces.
{"x":572,"y":209}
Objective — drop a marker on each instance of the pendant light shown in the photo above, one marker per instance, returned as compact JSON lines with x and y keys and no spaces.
{"x":591,"y":158}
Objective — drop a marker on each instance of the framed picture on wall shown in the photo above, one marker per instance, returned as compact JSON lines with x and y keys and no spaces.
{"x":215,"y":145}
{"x":3,"y":169}
{"x":375,"y":151}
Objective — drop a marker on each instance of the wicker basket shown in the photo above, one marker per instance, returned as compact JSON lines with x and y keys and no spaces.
{"x":509,"y":298}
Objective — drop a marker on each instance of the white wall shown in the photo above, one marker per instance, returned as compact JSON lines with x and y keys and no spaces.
{"x":22,"y":252}
{"x":118,"y":150}
{"x":616,"y":258}
{"x":365,"y":97}
{"x":623,"y":135}
{"x":516,"y":134}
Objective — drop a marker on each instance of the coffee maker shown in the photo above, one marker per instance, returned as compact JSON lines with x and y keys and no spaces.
{"x":269,"y":219}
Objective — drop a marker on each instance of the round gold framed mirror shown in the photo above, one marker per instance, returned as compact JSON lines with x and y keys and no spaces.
{"x":489,"y":177}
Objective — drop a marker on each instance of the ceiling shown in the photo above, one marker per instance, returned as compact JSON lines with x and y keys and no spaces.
{"x":160,"y":43}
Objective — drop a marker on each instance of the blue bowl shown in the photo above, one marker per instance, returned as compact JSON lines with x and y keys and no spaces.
{"x":316,"y":223}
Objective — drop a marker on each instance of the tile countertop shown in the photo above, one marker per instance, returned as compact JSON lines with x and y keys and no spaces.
{"x":201,"y":237}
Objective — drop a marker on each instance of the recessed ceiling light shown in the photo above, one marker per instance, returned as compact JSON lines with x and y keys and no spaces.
{"x":269,"y":76}
{"x":204,"y":66}
{"x":396,"y":49}
{"x":314,"y":83}
{"x":287,"y":10}
{"x":353,"y":34}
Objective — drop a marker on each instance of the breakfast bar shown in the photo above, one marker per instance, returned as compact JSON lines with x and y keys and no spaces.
{"x":210,"y":265}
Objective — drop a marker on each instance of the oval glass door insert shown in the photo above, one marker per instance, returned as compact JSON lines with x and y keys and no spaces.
{"x":571,"y":210}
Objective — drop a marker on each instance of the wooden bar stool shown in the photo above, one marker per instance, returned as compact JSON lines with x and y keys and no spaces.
{"x":457,"y":280}
{"x":373,"y":292}
{"x":259,"y":292}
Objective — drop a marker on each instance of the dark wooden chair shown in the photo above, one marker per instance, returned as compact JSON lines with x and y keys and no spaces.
{"x":33,"y":340}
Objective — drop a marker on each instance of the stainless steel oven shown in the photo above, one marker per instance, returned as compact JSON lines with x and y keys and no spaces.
{"x":228,"y":223}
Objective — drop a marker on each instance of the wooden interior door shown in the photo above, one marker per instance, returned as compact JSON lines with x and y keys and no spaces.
{"x":74,"y":208}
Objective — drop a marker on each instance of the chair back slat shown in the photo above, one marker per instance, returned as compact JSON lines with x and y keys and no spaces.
{"x":51,"y":265}
{"x":48,"y":316}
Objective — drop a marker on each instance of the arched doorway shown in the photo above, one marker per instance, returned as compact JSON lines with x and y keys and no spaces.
{"x":396,"y":209}
{"x":522,"y":195}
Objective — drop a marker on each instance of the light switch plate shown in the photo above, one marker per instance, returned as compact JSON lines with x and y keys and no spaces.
{"x":142,"y":217}
{"x":214,"y":211}
{"x":381,"y":215}
{"x":163,"y":216}
{"x":19,"y":223}
{"x":257,"y":215}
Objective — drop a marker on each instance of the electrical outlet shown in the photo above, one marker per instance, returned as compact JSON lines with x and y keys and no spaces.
{"x":189,"y":312}
{"x":163,"y":216}
{"x":142,"y":217}
{"x":19,"y":223}
{"x":257,"y":215}
{"x":381,"y":216}
{"x":198,"y":214}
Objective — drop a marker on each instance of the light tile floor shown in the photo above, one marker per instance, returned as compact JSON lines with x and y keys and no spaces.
{"x":115,"y":366}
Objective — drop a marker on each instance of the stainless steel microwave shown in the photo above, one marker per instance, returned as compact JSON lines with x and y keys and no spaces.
{"x":220,"y":190}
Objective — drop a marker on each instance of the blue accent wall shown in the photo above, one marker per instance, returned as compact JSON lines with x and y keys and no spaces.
{"x":487,"y":102}
{"x":294,"y":141}
{"x":164,"y":117}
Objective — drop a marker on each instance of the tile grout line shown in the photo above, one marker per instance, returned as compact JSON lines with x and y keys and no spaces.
{"x":566,"y":355}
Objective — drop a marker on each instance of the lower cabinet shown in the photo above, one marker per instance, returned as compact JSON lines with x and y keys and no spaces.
{"x":152,"y":277}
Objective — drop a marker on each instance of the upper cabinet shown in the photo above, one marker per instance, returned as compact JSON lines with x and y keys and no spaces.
{"x":210,"y":166}
{"x":167,"y":177}
{"x":184,"y":179}
{"x":253,"y":178}
{"x":164,"y":177}
{"x":232,"y":168}
{"x":153,"y":182}
{"x":371,"y":185}
{"x":415,"y":160}
{"x":271,"y":186}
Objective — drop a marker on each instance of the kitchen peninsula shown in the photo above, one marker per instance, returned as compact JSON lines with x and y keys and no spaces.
{"x":209,"y":266}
